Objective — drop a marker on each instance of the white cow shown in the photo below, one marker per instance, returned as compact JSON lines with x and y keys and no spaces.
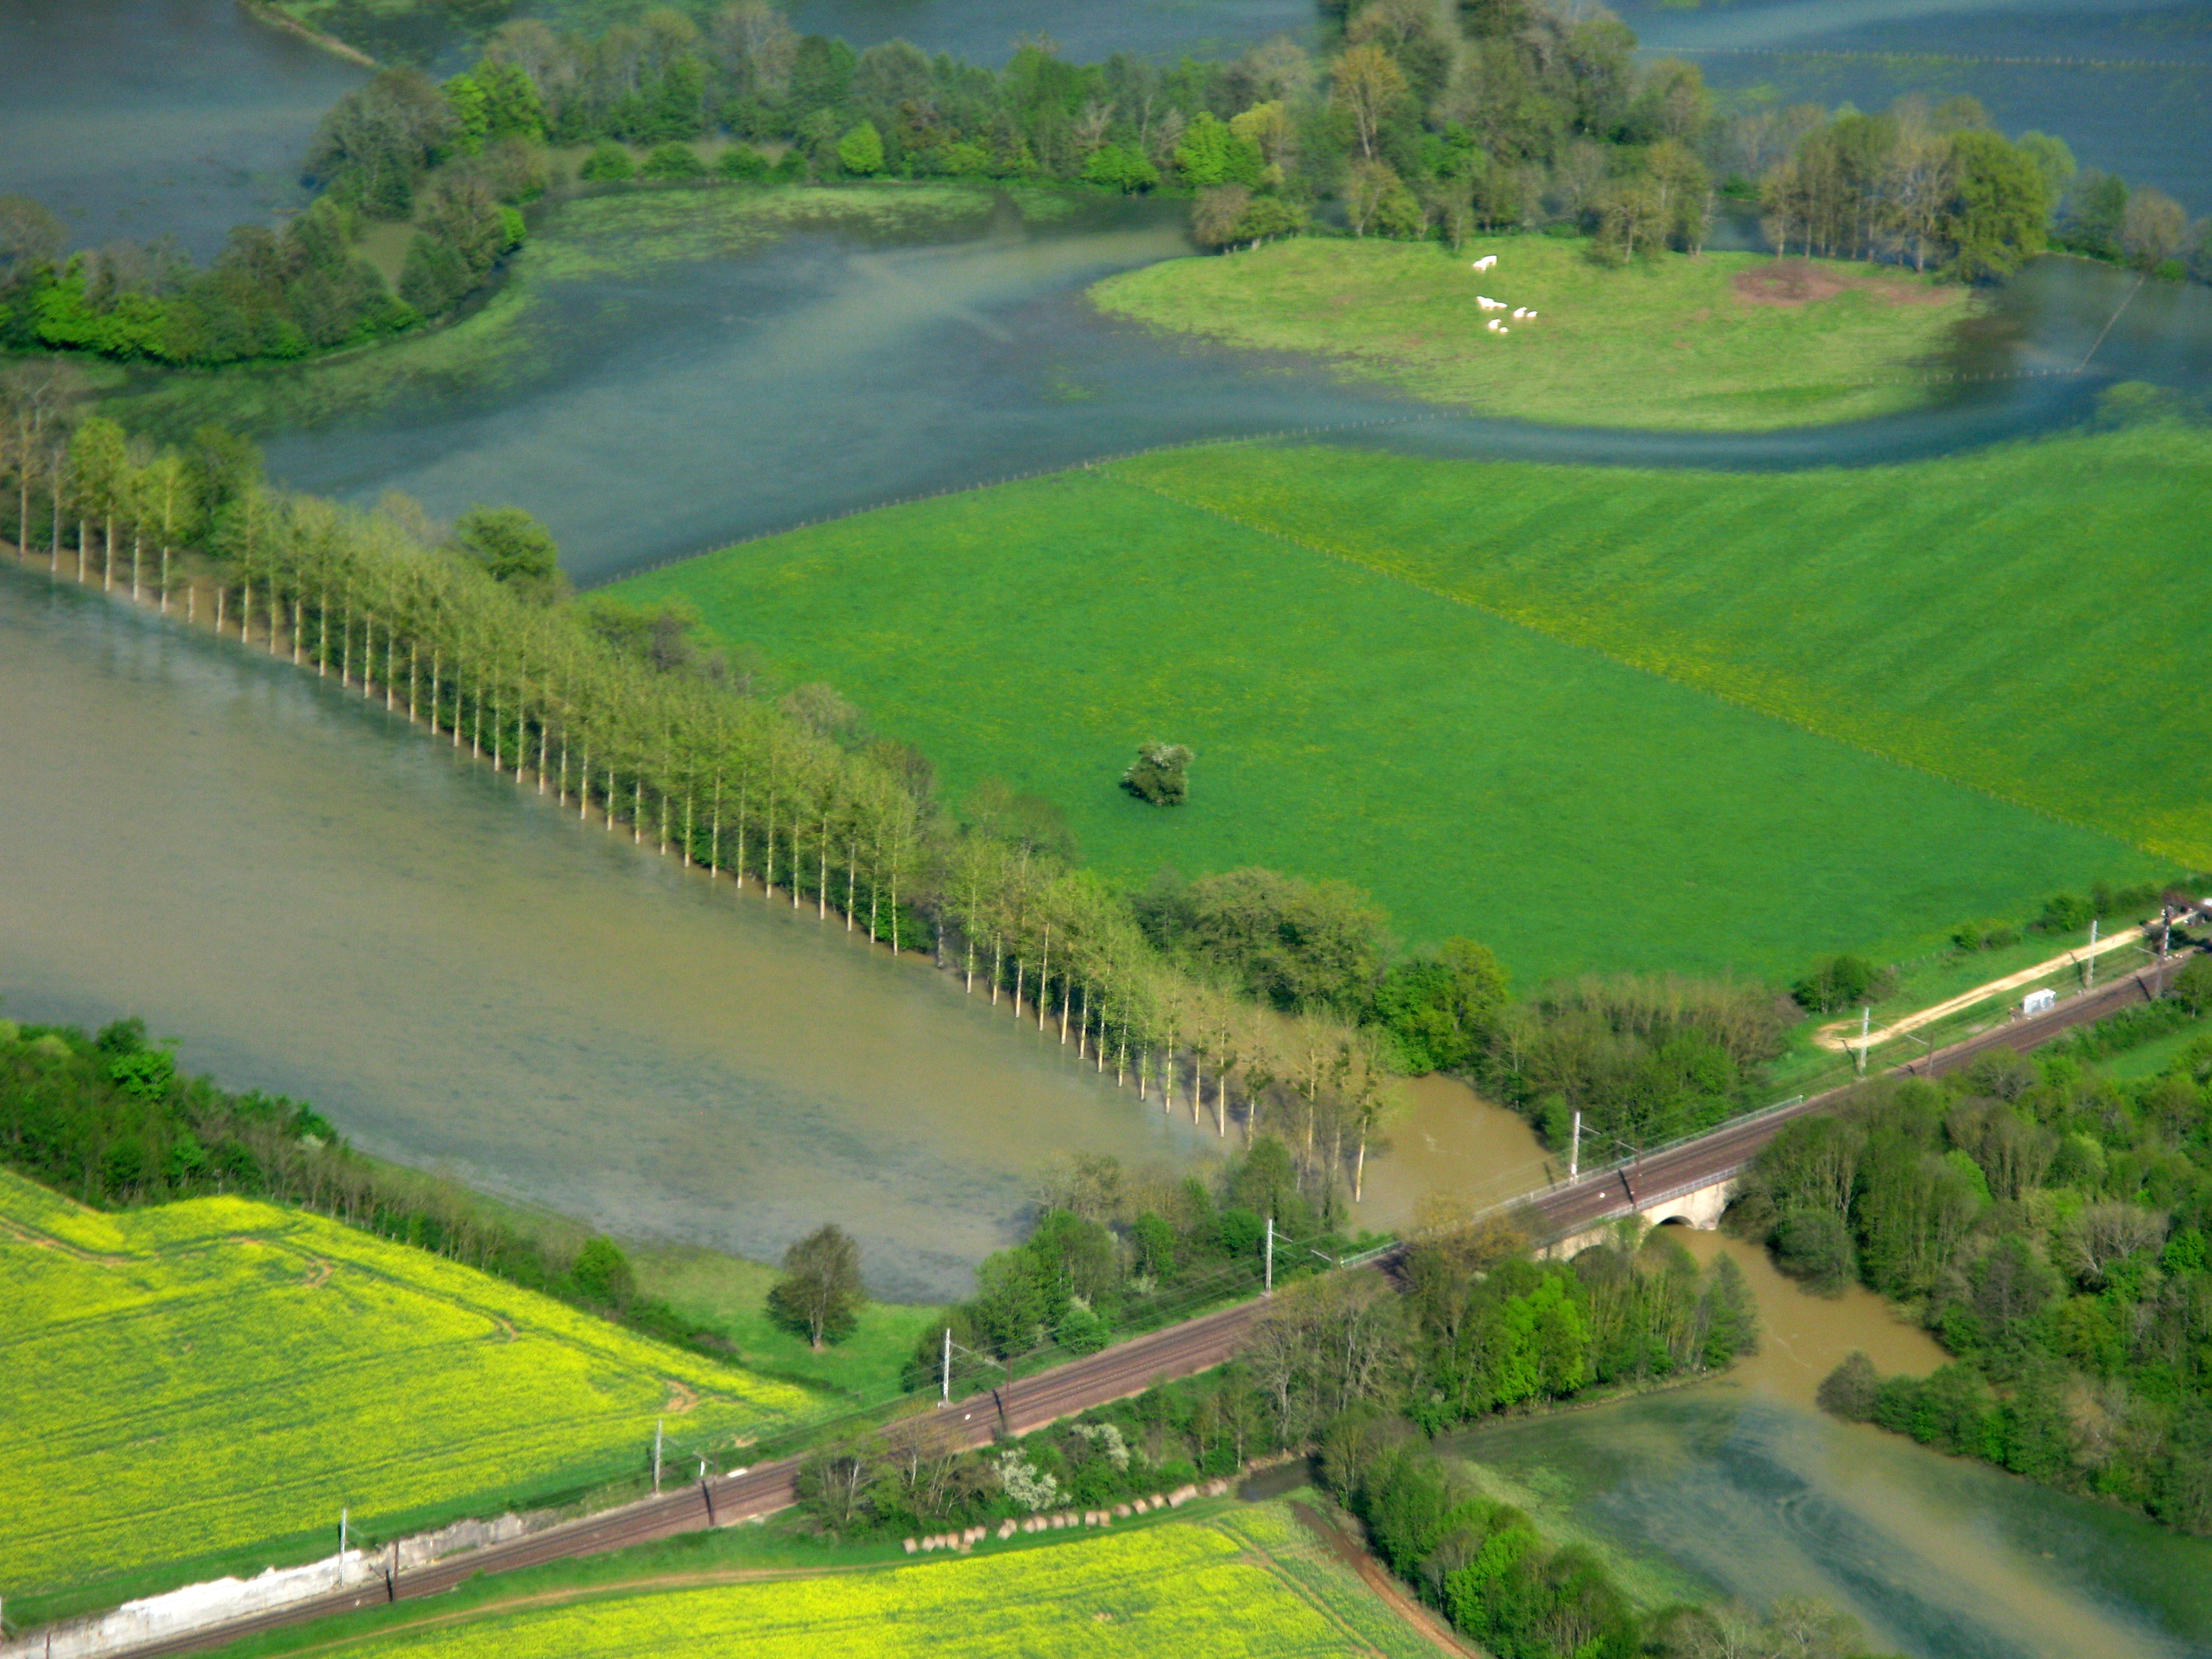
{"x":1486,"y":261}
{"x":1519,"y":312}
{"x":1495,"y":326}
{"x":1489,"y":304}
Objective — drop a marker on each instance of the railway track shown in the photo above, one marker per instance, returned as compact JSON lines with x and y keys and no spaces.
{"x":1129,"y":1368}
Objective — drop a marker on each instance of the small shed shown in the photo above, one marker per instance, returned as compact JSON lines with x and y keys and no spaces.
{"x":2039,"y":1002}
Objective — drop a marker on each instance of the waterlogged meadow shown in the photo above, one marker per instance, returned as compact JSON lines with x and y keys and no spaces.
{"x":1247,"y":1587}
{"x":226,"y":1375}
{"x":1477,"y":776}
{"x":564,"y":293}
{"x":1718,"y":342}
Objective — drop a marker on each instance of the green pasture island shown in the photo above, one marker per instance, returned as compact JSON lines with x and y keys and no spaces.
{"x":1709,"y":343}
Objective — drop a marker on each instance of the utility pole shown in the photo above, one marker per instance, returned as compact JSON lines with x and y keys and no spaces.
{"x":657,"y":1423}
{"x":1866,"y":1019}
{"x":944,"y":1382}
{"x":341,"y":1537}
{"x":1270,"y":1289}
{"x":2091,"y":983}
{"x":1575,"y":1150}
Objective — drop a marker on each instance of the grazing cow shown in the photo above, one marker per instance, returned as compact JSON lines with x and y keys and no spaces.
{"x":1519,"y":312}
{"x":1486,"y":261}
{"x":1489,"y":304}
{"x":1493,"y":325}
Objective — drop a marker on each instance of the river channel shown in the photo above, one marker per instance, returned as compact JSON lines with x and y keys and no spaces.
{"x":1739,"y":1488}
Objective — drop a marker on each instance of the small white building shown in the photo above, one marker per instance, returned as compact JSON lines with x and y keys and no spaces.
{"x":2039,"y":1002}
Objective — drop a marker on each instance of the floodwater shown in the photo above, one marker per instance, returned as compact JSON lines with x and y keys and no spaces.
{"x":1741,"y":1488}
{"x":320,"y":901}
{"x":2127,"y":84}
{"x":137,"y":119}
{"x":670,"y":413}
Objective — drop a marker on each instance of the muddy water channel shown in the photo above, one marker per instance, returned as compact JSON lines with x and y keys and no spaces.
{"x":1741,"y":1488}
{"x":322,"y":902}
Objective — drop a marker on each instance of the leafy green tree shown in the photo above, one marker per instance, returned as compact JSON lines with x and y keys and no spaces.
{"x":2000,"y":209}
{"x":602,"y":1273}
{"x":860,"y":151}
{"x":742,"y":161}
{"x":513,"y":547}
{"x":1116,"y":168}
{"x":820,"y":1293}
{"x":1440,"y":1008}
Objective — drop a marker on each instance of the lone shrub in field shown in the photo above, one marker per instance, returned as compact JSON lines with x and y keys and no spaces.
{"x":1160,"y":774}
{"x":742,"y":161}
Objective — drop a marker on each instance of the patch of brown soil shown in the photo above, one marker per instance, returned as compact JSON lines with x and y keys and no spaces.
{"x":1799,"y":282}
{"x":680,"y":1399}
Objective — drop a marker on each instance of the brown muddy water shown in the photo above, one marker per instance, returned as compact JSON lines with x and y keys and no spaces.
{"x":1740,"y":1488}
{"x":318,"y":899}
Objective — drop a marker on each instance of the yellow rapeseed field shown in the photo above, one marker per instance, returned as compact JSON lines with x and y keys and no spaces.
{"x":190,"y":1382}
{"x":1188,"y":1589}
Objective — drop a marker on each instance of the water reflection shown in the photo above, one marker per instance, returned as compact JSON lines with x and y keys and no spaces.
{"x":324,"y":903}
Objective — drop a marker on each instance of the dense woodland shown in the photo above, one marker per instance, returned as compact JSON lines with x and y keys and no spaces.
{"x":1420,"y":119}
{"x":2049,"y":1226}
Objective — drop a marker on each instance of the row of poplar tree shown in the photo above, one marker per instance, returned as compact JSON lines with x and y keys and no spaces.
{"x":472,"y":643}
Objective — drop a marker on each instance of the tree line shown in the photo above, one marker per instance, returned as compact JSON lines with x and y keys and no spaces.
{"x":2048,"y":1225}
{"x":1933,"y":184}
{"x":1417,"y":119}
{"x":107,"y":1119}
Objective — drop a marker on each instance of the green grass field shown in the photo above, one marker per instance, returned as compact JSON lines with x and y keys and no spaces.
{"x":1674,"y":343}
{"x":1242,"y":1580}
{"x":731,"y":1294}
{"x":1643,"y":719}
{"x":226,"y":1375}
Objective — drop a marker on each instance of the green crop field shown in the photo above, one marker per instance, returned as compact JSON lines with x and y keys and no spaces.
{"x":214,"y":1378}
{"x":1250,"y":1583}
{"x":1545,"y":706}
{"x":1721,"y":343}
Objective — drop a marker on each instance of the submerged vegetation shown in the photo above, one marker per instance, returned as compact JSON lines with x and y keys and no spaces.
{"x":2048,"y":1225}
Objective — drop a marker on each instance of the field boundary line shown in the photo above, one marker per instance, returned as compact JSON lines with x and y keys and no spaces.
{"x":1265,"y":1559}
{"x":1406,"y":579}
